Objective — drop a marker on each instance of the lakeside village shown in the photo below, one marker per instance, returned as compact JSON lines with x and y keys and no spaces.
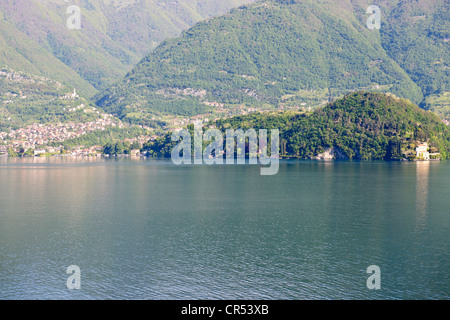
{"x":40,"y":140}
{"x":33,"y":141}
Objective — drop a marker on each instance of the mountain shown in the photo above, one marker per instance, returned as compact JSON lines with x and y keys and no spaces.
{"x":289,"y":53}
{"x":114,"y":36}
{"x":417,"y":37}
{"x":19,"y":52}
{"x":26,"y":99}
{"x":360,"y":125}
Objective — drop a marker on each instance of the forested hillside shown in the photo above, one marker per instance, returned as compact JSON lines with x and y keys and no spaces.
{"x":114,"y":35}
{"x":417,"y":36}
{"x":359,"y":126}
{"x":290,"y":53}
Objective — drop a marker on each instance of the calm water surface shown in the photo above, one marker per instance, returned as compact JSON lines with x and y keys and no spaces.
{"x":142,"y":229}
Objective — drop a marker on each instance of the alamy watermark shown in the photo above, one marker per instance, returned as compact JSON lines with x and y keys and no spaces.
{"x":214,"y":152}
{"x":374,"y":20}
{"x":74,"y":20}
{"x":73,"y":281}
{"x":374,"y":280}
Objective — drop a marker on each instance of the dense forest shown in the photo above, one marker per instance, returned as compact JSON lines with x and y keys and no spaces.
{"x":361,"y":125}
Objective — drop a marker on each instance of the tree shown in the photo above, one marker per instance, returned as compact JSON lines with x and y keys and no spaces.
{"x":135,"y":145}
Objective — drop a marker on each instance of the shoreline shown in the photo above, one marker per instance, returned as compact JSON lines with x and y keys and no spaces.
{"x":295,"y":158}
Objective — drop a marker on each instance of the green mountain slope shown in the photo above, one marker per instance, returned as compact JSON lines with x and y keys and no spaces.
{"x":416,"y":34}
{"x":361,"y":125}
{"x":114,"y":35}
{"x":282,"y":53}
{"x":19,"y":52}
{"x":26,"y":99}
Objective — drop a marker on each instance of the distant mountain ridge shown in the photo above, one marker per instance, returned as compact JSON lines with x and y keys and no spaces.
{"x":290,"y":53}
{"x":114,"y":35}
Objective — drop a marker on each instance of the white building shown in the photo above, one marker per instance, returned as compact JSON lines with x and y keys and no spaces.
{"x":38,"y":152}
{"x":422,"y":151}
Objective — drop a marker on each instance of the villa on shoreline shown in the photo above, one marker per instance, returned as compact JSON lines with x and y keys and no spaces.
{"x":423,"y":153}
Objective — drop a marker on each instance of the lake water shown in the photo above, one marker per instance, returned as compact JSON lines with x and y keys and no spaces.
{"x":144,"y":229}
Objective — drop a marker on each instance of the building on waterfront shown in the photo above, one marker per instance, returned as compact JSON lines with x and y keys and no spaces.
{"x":3,"y":151}
{"x":39,"y":152}
{"x":422,"y":151}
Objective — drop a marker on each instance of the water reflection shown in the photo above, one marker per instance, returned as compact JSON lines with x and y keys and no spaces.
{"x":422,"y":186}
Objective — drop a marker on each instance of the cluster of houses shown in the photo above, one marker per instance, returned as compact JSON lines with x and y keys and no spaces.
{"x":75,"y":151}
{"x":43,"y":151}
{"x":71,"y":96}
{"x":40,"y":134}
{"x":3,"y":151}
{"x":78,"y":151}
